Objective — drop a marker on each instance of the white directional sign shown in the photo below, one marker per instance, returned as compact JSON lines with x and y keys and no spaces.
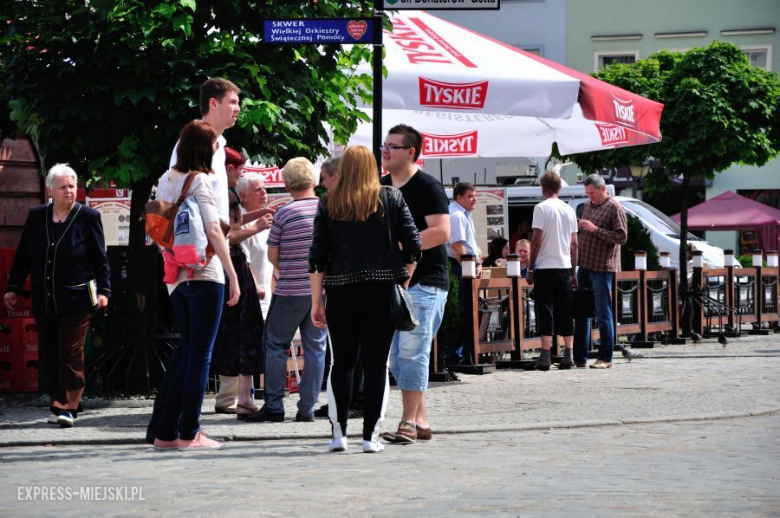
{"x":430,"y":5}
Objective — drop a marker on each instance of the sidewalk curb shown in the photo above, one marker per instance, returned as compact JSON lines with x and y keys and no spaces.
{"x":526,"y":428}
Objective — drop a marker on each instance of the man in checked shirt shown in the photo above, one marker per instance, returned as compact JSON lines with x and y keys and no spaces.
{"x":602,"y":229}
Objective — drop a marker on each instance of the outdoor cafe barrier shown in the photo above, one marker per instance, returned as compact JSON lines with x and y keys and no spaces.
{"x":647,"y":305}
{"x":725,"y":298}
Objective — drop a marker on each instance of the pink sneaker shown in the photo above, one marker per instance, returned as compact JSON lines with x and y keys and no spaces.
{"x":200,"y":442}
{"x":165,"y":445}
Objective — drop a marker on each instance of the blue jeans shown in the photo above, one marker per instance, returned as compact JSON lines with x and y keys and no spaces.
{"x":285,"y":316}
{"x":198,"y":308}
{"x":410,"y":352}
{"x":601,"y":284}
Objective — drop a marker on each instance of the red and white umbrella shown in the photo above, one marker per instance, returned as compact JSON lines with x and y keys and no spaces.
{"x":472,"y":96}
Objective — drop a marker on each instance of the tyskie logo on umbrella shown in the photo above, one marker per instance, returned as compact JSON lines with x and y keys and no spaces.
{"x":611,"y":135}
{"x":624,"y":111}
{"x":462,"y":96}
{"x":462,"y":144}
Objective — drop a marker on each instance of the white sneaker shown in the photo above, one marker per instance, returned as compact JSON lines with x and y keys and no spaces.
{"x":65,"y":420}
{"x":339,"y":444}
{"x":373,"y":447}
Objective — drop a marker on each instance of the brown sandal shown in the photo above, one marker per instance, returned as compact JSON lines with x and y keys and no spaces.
{"x":243,"y":417}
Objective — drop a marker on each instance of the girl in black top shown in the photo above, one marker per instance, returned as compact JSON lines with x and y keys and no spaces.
{"x":497,"y":252}
{"x":351,"y":259}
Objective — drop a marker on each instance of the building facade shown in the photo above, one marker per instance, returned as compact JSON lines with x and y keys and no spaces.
{"x":600,"y":32}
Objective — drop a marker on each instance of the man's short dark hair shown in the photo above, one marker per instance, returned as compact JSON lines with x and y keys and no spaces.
{"x":551,"y":182}
{"x":215,"y":88}
{"x":411,"y":136}
{"x":462,"y":188}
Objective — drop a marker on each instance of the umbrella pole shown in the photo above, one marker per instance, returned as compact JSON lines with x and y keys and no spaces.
{"x":377,"y":62}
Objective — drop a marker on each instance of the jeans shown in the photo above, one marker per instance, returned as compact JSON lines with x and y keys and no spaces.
{"x":601,"y":284}
{"x":410,"y":352}
{"x":198,"y":308}
{"x":285,"y":316}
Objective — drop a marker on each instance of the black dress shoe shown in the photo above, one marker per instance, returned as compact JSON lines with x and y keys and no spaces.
{"x":564,"y":365}
{"x":321,"y":411}
{"x":304,"y":418}
{"x":536,"y":367}
{"x":263,"y":416}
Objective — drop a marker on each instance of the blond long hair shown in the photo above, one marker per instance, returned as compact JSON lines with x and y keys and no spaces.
{"x":356,"y":195}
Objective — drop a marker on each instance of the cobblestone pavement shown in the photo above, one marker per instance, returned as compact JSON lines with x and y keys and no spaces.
{"x":686,"y":430}
{"x":725,"y":468}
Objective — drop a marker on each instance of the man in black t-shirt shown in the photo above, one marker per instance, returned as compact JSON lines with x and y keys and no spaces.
{"x":411,"y":350}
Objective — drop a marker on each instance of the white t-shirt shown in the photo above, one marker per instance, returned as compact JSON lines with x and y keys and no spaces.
{"x":219,"y":178}
{"x":557,"y":221}
{"x":256,"y":251}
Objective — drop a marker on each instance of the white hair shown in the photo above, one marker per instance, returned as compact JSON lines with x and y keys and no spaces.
{"x":60,"y":170}
{"x":247,"y":181}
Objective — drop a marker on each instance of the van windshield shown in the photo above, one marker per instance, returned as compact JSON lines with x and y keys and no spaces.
{"x":656,"y":218}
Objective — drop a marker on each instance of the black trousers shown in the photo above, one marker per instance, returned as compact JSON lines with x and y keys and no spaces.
{"x":552,"y":301}
{"x":359,"y":324}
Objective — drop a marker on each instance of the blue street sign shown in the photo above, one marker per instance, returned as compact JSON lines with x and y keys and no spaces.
{"x":296,"y":31}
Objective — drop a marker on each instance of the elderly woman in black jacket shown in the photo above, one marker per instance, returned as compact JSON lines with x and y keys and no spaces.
{"x":356,"y":261}
{"x":62,"y":245}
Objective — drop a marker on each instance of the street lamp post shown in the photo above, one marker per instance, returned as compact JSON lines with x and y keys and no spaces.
{"x":637,"y":173}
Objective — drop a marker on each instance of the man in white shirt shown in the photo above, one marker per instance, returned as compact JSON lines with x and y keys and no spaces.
{"x":219,"y":106}
{"x":551,"y":269}
{"x":463,"y":241}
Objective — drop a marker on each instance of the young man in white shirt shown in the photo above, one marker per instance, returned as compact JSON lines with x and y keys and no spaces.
{"x":552,"y":268}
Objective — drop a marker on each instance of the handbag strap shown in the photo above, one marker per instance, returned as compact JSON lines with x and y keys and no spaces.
{"x":185,"y":188}
{"x":386,"y":204}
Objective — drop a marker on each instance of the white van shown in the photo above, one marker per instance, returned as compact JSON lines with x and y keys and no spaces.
{"x":664,"y":232}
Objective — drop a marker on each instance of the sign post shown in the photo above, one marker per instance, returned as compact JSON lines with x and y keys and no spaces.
{"x":322,"y":31}
{"x":377,"y":61}
{"x":317,"y":31}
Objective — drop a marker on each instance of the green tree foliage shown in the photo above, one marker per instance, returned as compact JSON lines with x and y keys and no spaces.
{"x":639,"y":238}
{"x":718,"y":111}
{"x":106,"y":85}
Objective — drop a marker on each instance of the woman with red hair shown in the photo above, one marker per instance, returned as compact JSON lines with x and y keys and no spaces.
{"x":238,"y":350}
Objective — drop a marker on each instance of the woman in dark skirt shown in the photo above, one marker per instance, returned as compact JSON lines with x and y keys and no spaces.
{"x":238,"y":350}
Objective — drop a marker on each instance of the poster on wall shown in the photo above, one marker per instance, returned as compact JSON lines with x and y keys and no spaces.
{"x":114,"y":208}
{"x":490,"y":217}
{"x":277,"y":200}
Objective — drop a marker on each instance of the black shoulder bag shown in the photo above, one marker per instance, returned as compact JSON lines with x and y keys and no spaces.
{"x":402,"y":311}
